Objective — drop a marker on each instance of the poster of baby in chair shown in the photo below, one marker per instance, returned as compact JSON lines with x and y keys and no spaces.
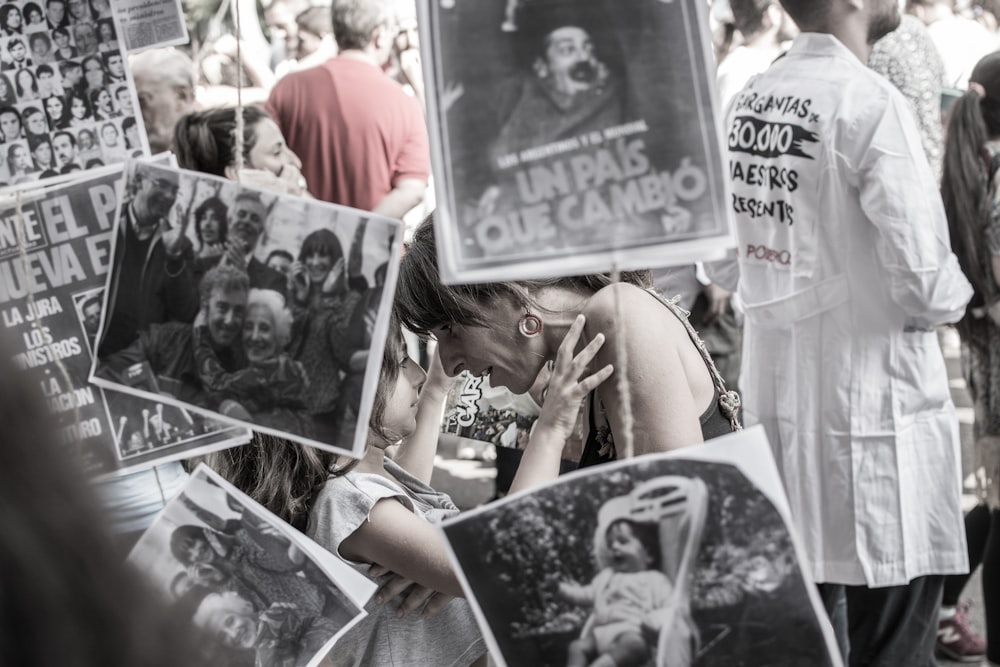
{"x":676,"y":560}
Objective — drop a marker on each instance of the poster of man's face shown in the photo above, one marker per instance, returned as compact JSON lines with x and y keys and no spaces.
{"x":247,"y":580}
{"x":207,"y":323}
{"x":680,"y":559}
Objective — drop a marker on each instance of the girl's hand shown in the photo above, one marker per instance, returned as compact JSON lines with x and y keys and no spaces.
{"x":411,"y":596}
{"x":566,"y":389}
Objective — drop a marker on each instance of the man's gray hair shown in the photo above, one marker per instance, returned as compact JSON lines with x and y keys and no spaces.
{"x":171,"y":66}
{"x":355,"y":21}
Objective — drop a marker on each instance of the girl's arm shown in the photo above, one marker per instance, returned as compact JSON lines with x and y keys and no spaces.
{"x":397,"y":539}
{"x":540,"y":462}
{"x":416,"y":455}
{"x":664,"y":413}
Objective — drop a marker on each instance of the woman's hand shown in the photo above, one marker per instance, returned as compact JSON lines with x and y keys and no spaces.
{"x":412,"y":596}
{"x":298,"y":278}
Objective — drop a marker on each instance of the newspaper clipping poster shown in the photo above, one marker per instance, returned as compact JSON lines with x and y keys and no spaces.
{"x":67,"y":101}
{"x":151,"y":23}
{"x":693,"y":546}
{"x":266,"y":309}
{"x":265,"y":591}
{"x":572,"y":136}
{"x":55,"y":250}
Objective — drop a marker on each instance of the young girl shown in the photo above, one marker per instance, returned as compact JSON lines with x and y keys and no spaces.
{"x":379,"y":511}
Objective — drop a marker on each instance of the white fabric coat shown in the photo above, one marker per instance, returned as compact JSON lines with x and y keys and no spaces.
{"x":845,"y":270}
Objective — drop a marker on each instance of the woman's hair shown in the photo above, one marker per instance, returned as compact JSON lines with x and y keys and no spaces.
{"x":68,"y":104}
{"x":94,"y":94}
{"x":30,"y":8}
{"x":33,"y":86}
{"x":321,"y":242}
{"x":5,"y":13}
{"x":395,"y":348}
{"x":64,"y":587}
{"x":274,"y":303}
{"x":424,"y":304}
{"x":39,"y":37}
{"x":184,"y":536}
{"x":221,"y":212}
{"x":204,"y":139}
{"x":10,"y":96}
{"x":965,"y":186}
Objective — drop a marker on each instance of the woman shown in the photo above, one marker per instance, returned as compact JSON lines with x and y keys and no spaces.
{"x":79,"y":111}
{"x":10,"y":20}
{"x":93,"y":73}
{"x":19,"y":166}
{"x":100,"y":101}
{"x":34,"y":17}
{"x":204,"y":142}
{"x":55,"y":109}
{"x":35,"y":125}
{"x":210,"y":227}
{"x":41,"y":48}
{"x":26,"y":85}
{"x":107,"y":39}
{"x":8,"y":96}
{"x":509,"y":331}
{"x":969,"y":187}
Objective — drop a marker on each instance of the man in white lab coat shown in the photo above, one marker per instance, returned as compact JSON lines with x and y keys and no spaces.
{"x":845,"y":270}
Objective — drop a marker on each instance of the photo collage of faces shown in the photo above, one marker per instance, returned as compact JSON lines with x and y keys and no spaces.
{"x":65,"y":101}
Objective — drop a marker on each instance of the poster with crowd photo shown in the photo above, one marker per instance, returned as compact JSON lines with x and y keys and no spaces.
{"x":695,"y":545}
{"x":146,"y":24}
{"x":272,"y":310}
{"x":55,"y":250}
{"x":268,"y":594}
{"x":67,"y":102}
{"x":572,"y":136}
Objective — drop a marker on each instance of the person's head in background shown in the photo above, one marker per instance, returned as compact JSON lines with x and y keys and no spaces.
{"x":368,"y":26}
{"x":762,"y":19}
{"x":280,"y":18}
{"x":315,"y":33}
{"x":65,"y":588}
{"x":203,"y":141}
{"x":280,"y":260}
{"x":164,"y":82}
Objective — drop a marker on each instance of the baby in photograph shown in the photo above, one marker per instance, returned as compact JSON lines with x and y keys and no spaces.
{"x":626,"y":596}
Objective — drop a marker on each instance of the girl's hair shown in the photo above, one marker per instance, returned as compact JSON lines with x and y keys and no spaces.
{"x":204,"y":139}
{"x":62,"y":575}
{"x":648,"y":533}
{"x":182,"y":537}
{"x":281,"y":316}
{"x":965,"y":186}
{"x":33,"y":86}
{"x":424,"y":304}
{"x":31,"y":7}
{"x":5,"y":13}
{"x":395,"y":349}
{"x":221,"y":212}
{"x":281,"y":475}
{"x":68,"y":104}
{"x":40,"y":37}
{"x":321,"y":242}
{"x":10,"y":96}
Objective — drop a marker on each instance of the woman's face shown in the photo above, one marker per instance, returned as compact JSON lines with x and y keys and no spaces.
{"x":62,"y":39}
{"x":211,"y":227}
{"x":54,"y":106}
{"x":39,"y":48}
{"x":106,"y":33}
{"x":78,"y":9}
{"x":34,"y":16}
{"x":86,"y":141}
{"x":78,"y":108}
{"x":13,"y":21}
{"x":499,"y":352}
{"x":20,"y":159}
{"x":270,"y":151}
{"x":35,"y":123}
{"x":400,"y":418}
{"x":94,"y":73}
{"x":318,"y":266}
{"x":260,"y":340}
{"x":104,"y":100}
{"x":25,"y":80}
{"x":43,"y":155}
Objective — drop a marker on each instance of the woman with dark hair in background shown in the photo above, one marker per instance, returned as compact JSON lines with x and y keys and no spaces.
{"x":41,"y":48}
{"x":204,"y":142}
{"x":79,"y":109}
{"x":210,"y":227}
{"x":26,"y":85}
{"x":8,"y":95}
{"x":969,"y":187}
{"x":56,"y":110}
{"x":10,"y":20}
{"x":66,"y":598}
{"x":34,"y":17}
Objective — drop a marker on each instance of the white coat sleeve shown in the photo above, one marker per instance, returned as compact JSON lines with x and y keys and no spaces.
{"x":901,"y":198}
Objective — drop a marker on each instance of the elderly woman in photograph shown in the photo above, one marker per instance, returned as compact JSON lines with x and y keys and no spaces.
{"x":271,"y":390}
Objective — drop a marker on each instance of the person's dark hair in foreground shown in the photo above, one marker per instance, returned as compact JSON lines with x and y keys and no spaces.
{"x":66,"y":598}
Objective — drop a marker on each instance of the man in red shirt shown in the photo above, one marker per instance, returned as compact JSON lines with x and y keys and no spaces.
{"x":361,"y":139}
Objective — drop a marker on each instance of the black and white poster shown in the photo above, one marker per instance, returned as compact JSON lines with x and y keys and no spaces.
{"x":572,"y":136}
{"x":266,"y":309}
{"x":677,"y":559}
{"x":55,"y":251}
{"x":265,"y":591}
{"x":147,"y":24}
{"x":67,"y":101}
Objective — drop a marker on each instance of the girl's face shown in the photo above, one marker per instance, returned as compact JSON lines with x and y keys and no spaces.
{"x":13,"y":21}
{"x":270,"y":151}
{"x":86,"y":141}
{"x":34,"y":16}
{"x":197,"y":550}
{"x":628,"y":553}
{"x":94,"y":73}
{"x":260,"y":339}
{"x":104,"y":100}
{"x":54,"y":106}
{"x":36,"y":123}
{"x":318,"y":266}
{"x":25,"y":79}
{"x":211,"y":227}
{"x":78,"y":108}
{"x":400,"y":417}
{"x":20,"y":159}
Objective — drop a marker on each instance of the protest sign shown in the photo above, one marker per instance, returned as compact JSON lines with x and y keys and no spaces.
{"x":267,"y":593}
{"x":55,"y":250}
{"x":572,"y":136}
{"x":267,"y":309}
{"x":146,"y":24}
{"x":695,"y":545}
{"x":67,"y":101}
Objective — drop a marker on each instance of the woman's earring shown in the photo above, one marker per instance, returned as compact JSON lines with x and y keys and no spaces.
{"x":529,"y":325}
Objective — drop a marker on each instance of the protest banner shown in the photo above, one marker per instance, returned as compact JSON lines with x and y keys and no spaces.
{"x":55,"y":250}
{"x":67,"y":100}
{"x":572,"y":136}
{"x":146,"y":24}
{"x":695,"y":545}
{"x":266,"y":309}
{"x":267,"y":593}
